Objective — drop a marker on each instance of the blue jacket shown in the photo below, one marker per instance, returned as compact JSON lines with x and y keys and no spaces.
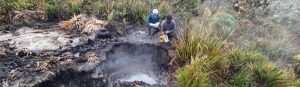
{"x":152,"y":20}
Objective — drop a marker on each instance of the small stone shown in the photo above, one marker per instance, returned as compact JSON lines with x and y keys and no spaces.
{"x":275,"y":16}
{"x":77,"y":54}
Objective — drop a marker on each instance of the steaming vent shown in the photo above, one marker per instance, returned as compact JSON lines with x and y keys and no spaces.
{"x":136,"y":62}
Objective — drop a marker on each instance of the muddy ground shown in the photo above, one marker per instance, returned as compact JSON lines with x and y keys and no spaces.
{"x":74,"y":60}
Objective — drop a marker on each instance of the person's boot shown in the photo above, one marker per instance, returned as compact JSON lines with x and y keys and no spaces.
{"x":156,"y":31}
{"x":149,"y":31}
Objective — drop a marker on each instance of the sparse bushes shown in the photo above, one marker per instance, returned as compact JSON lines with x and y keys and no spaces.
{"x":127,"y":11}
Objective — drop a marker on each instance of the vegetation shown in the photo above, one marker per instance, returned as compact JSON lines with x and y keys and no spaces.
{"x":219,"y":51}
{"x":52,"y":11}
{"x":216,"y":47}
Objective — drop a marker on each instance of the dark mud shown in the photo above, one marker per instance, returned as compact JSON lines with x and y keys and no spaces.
{"x":142,"y":55}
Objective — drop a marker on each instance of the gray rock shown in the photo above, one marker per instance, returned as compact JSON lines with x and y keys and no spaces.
{"x":103,"y":33}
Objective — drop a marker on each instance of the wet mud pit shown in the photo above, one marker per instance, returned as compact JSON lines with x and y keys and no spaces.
{"x":126,"y":65}
{"x":117,"y":61}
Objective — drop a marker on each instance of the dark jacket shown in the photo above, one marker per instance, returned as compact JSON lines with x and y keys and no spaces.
{"x":152,"y":20}
{"x":168,"y":27}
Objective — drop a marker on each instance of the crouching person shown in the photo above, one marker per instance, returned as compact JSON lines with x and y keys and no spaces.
{"x":153,"y":22}
{"x":168,"y":27}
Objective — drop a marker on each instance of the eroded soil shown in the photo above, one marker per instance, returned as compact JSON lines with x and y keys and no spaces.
{"x":69,"y":53}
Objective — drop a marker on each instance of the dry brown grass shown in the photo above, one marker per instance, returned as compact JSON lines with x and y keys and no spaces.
{"x":67,"y":55}
{"x":39,"y":4}
{"x":51,"y":63}
{"x":28,"y":16}
{"x":91,"y":57}
{"x":2,"y":52}
{"x":94,"y":25}
{"x":74,"y":21}
{"x":207,"y":13}
{"x":87,"y":23}
{"x":219,"y":12}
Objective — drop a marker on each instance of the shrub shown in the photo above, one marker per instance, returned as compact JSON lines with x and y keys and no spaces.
{"x":100,"y":8}
{"x":241,"y":79}
{"x":224,"y":21}
{"x":53,"y":10}
{"x":138,"y":13}
{"x":198,"y":41}
{"x":10,"y":5}
{"x":194,"y":75}
{"x":163,"y":9}
{"x":279,"y":49}
{"x":111,"y":16}
{"x":239,"y":58}
{"x":74,"y":8}
{"x":22,"y":4}
{"x":268,"y":74}
{"x":39,"y":4}
{"x":120,"y":10}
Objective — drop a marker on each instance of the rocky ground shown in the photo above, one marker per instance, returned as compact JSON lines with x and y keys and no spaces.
{"x":43,"y":53}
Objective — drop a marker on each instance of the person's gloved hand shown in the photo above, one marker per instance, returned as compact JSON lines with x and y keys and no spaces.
{"x":156,"y":25}
{"x":152,"y":25}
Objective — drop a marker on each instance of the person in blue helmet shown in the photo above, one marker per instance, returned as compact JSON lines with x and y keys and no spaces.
{"x":153,"y":22}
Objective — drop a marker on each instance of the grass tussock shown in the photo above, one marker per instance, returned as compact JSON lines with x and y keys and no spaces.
{"x":194,"y":75}
{"x":214,"y":58}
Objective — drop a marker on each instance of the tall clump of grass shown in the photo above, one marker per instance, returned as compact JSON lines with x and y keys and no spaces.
{"x":138,"y":12}
{"x":211,"y":62}
{"x":22,"y":4}
{"x":239,"y":73}
{"x":101,"y":8}
{"x":10,"y":5}
{"x":194,"y":75}
{"x":279,"y":49}
{"x":189,"y":6}
{"x":39,"y":4}
{"x":2,"y":12}
{"x":164,"y":9}
{"x":74,"y":8}
{"x":210,"y":51}
{"x":224,"y":23}
{"x":17,"y":5}
{"x":120,"y":11}
{"x":269,"y":75}
{"x":53,"y":10}
{"x":198,"y":41}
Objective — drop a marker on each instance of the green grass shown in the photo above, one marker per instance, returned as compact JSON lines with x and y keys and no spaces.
{"x":53,"y":10}
{"x":138,"y":13}
{"x":74,"y":8}
{"x":220,"y":50}
{"x":194,"y":75}
{"x":209,"y":53}
{"x":163,"y":10}
{"x":269,"y":75}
